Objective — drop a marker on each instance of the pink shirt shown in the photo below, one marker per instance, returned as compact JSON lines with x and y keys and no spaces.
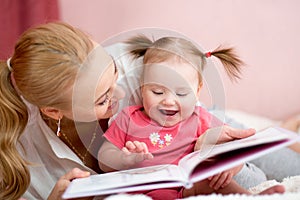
{"x":167,"y":144}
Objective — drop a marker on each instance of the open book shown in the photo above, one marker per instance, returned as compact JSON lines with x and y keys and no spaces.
{"x":193,"y":167}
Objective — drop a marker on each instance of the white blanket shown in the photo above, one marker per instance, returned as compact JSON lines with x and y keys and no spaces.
{"x":291,"y":184}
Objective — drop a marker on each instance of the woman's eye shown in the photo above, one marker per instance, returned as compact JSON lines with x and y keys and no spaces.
{"x":105,"y":101}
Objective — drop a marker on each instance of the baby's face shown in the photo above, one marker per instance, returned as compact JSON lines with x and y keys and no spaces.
{"x":170,"y":91}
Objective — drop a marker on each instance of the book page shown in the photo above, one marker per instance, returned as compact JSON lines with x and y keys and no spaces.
{"x":269,"y":135}
{"x":227,"y":160}
{"x":159,"y":176}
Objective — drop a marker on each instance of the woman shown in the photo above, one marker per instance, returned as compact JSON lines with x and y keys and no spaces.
{"x":38,"y":84}
{"x":55,"y":91}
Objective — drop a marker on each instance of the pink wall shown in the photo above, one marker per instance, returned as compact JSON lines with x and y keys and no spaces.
{"x":266,"y":34}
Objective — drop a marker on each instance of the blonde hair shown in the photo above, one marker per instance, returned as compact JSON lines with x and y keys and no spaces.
{"x":167,"y":48}
{"x":44,"y":66}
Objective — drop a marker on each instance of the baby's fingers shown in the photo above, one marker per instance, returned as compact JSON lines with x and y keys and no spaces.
{"x":126,"y":151}
{"x":139,"y":157}
{"x":148,"y":156}
{"x":222,"y":179}
{"x":213,"y":180}
{"x":227,"y":180}
{"x":145,"y":147}
{"x":141,"y":147}
{"x":130,"y":146}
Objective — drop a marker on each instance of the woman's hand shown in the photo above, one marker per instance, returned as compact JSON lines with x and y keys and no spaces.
{"x":64,"y":181}
{"x":222,"y":179}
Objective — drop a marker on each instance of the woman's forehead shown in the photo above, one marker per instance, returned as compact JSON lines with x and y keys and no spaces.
{"x":90,"y":74}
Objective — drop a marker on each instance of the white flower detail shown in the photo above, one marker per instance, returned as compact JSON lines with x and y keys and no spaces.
{"x":154,"y":137}
{"x":168,"y":137}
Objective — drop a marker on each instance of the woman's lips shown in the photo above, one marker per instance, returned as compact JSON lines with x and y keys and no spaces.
{"x":112,"y":105}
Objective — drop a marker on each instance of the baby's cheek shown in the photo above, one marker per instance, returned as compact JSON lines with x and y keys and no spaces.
{"x":187,"y":110}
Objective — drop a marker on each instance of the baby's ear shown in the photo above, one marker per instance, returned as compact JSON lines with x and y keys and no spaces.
{"x":200,"y":86}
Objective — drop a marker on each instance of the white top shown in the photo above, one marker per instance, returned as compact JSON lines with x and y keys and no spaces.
{"x":50,"y":157}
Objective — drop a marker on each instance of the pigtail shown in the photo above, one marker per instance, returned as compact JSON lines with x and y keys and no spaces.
{"x":138,"y":45}
{"x":231,"y":62}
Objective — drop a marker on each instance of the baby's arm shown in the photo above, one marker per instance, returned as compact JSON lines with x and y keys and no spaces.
{"x":111,"y":158}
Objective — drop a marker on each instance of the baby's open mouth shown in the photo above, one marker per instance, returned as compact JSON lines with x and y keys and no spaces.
{"x":168,"y":112}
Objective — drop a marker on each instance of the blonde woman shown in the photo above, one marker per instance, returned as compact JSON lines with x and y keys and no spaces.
{"x":41,"y":145}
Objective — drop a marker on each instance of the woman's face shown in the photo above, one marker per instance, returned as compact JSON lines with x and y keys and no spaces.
{"x":108,"y":94}
{"x":95,"y":92}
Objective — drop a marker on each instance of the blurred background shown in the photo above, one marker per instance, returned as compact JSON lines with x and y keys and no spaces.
{"x":264,"y":32}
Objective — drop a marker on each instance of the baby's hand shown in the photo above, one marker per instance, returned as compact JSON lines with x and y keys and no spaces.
{"x":222,"y":134}
{"x":136,"y":152}
{"x":224,"y":178}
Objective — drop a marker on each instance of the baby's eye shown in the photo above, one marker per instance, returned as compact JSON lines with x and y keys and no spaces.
{"x":157,"y":92}
{"x":181,"y":94}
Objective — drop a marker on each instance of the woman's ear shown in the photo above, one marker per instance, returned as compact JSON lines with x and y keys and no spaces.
{"x":52,"y":112}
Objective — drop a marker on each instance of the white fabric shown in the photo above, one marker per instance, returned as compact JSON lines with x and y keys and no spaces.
{"x":291,"y":184}
{"x":251,"y":120}
{"x":50,"y":157}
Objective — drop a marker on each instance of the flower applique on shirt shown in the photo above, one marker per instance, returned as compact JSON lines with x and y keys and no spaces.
{"x":159,"y":140}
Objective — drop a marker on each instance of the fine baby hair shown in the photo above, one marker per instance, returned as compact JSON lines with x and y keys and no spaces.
{"x":166,"y":48}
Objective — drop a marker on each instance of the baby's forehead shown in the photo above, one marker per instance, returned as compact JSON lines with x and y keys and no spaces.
{"x":171,"y":80}
{"x":169,"y":73}
{"x":162,"y":85}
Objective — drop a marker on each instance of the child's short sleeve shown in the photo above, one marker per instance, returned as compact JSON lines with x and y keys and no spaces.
{"x":207,"y":120}
{"x":117,"y":132}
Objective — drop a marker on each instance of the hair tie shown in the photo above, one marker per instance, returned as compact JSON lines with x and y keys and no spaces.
{"x":208,"y":54}
{"x":8,"y":64}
